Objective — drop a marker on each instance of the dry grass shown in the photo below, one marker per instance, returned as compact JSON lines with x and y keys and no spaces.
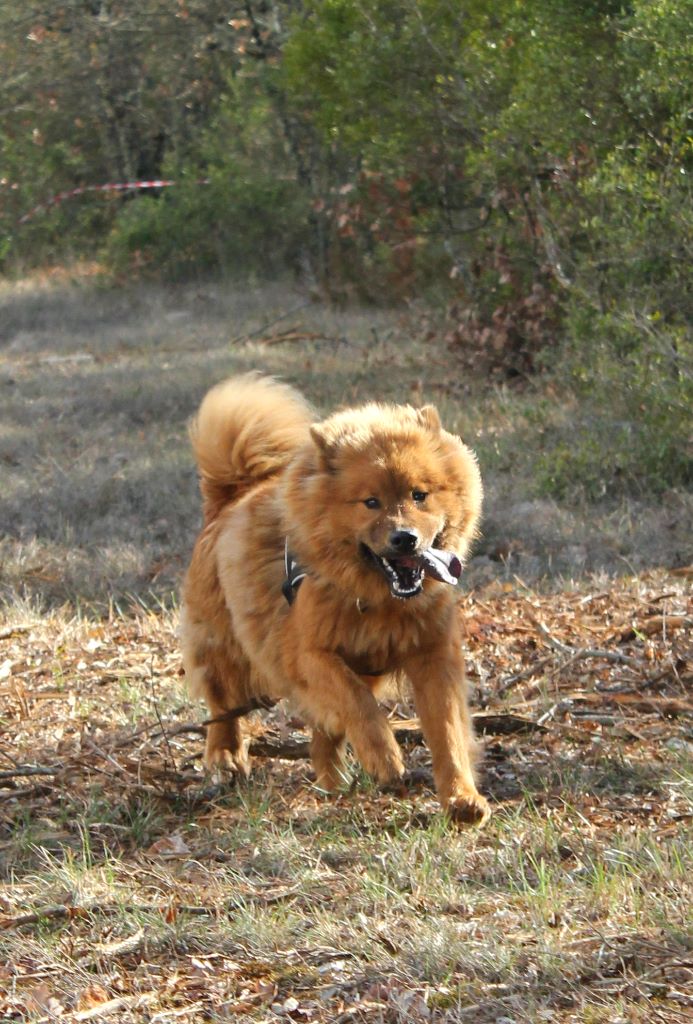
{"x":99,"y":502}
{"x":134,"y":888}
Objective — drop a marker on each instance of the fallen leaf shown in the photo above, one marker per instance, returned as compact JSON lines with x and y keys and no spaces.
{"x":41,"y":1000}
{"x":120,"y":947}
{"x":91,"y":996}
{"x":169,"y":846}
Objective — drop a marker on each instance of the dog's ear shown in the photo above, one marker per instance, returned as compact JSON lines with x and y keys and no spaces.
{"x":323,"y":443}
{"x":428,"y":417}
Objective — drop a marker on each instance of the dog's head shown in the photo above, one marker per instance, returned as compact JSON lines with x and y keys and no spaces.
{"x":380,"y":487}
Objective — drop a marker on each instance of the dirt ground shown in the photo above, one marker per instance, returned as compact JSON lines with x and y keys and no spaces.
{"x":136,"y":888}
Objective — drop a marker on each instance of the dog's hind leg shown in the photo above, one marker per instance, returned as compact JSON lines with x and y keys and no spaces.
{"x":226,"y":745}
{"x":328,"y":756}
{"x":221,"y":677}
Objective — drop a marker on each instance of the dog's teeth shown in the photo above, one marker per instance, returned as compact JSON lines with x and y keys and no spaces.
{"x":398,"y":586}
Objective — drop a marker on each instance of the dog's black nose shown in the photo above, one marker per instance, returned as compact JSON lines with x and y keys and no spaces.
{"x":404,"y":541}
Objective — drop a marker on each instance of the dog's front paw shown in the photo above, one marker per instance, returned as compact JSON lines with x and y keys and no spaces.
{"x":468,"y":809}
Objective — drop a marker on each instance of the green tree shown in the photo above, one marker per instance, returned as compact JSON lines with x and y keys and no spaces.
{"x":103,"y":91}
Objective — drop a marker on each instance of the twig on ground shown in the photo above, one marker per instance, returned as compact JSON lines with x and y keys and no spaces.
{"x":550,"y":639}
{"x":292,"y":334}
{"x":103,"y":754}
{"x":288,"y":750}
{"x":270,"y":323}
{"x":578,"y":653}
{"x":25,"y":770}
{"x":622,"y":659}
{"x":194,"y":728}
{"x":65,"y":911}
{"x":44,"y":914}
{"x":23,"y":792}
{"x":119,"y":1003}
{"x":407,"y":733}
{"x":510,"y":681}
{"x":254,"y":704}
{"x":158,"y":718}
{"x":11,"y":631}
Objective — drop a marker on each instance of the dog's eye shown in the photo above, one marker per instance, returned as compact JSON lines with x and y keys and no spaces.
{"x":419,"y":496}
{"x":371,"y":503}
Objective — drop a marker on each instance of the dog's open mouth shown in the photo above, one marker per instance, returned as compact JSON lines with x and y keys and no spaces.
{"x":405,"y":573}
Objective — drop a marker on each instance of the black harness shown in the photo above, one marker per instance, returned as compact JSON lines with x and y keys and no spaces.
{"x":294,"y":575}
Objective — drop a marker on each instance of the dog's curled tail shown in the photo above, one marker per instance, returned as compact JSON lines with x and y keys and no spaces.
{"x":246,"y":430}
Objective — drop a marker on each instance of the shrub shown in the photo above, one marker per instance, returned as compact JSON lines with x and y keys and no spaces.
{"x":630,"y":431}
{"x":237,"y":223}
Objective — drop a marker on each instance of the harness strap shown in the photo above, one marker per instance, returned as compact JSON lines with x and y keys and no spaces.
{"x":295,"y":574}
{"x":294,"y":577}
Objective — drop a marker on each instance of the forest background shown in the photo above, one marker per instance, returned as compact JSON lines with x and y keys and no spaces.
{"x":523,"y":168}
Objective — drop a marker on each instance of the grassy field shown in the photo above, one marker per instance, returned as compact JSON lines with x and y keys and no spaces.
{"x":136,"y":889}
{"x":99,"y":499}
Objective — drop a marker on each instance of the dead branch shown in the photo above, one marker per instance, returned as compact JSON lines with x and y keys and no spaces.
{"x":45,"y":914}
{"x":271,"y":323}
{"x":11,"y":631}
{"x":67,"y":912}
{"x":504,"y":725}
{"x":527,"y":673}
{"x":22,"y":792}
{"x":579,"y":653}
{"x":407,"y":733}
{"x":597,"y":652}
{"x":254,"y":704}
{"x":670,"y":707}
{"x":292,"y":336}
{"x":26,"y":770}
{"x":287,"y":750}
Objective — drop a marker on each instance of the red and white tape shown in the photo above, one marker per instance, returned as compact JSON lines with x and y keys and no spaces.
{"x":111,"y":186}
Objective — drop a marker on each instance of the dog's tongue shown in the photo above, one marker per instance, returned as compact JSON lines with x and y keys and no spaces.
{"x":442,"y":565}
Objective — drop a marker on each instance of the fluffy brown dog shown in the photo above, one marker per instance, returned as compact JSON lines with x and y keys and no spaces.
{"x":377,"y":505}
